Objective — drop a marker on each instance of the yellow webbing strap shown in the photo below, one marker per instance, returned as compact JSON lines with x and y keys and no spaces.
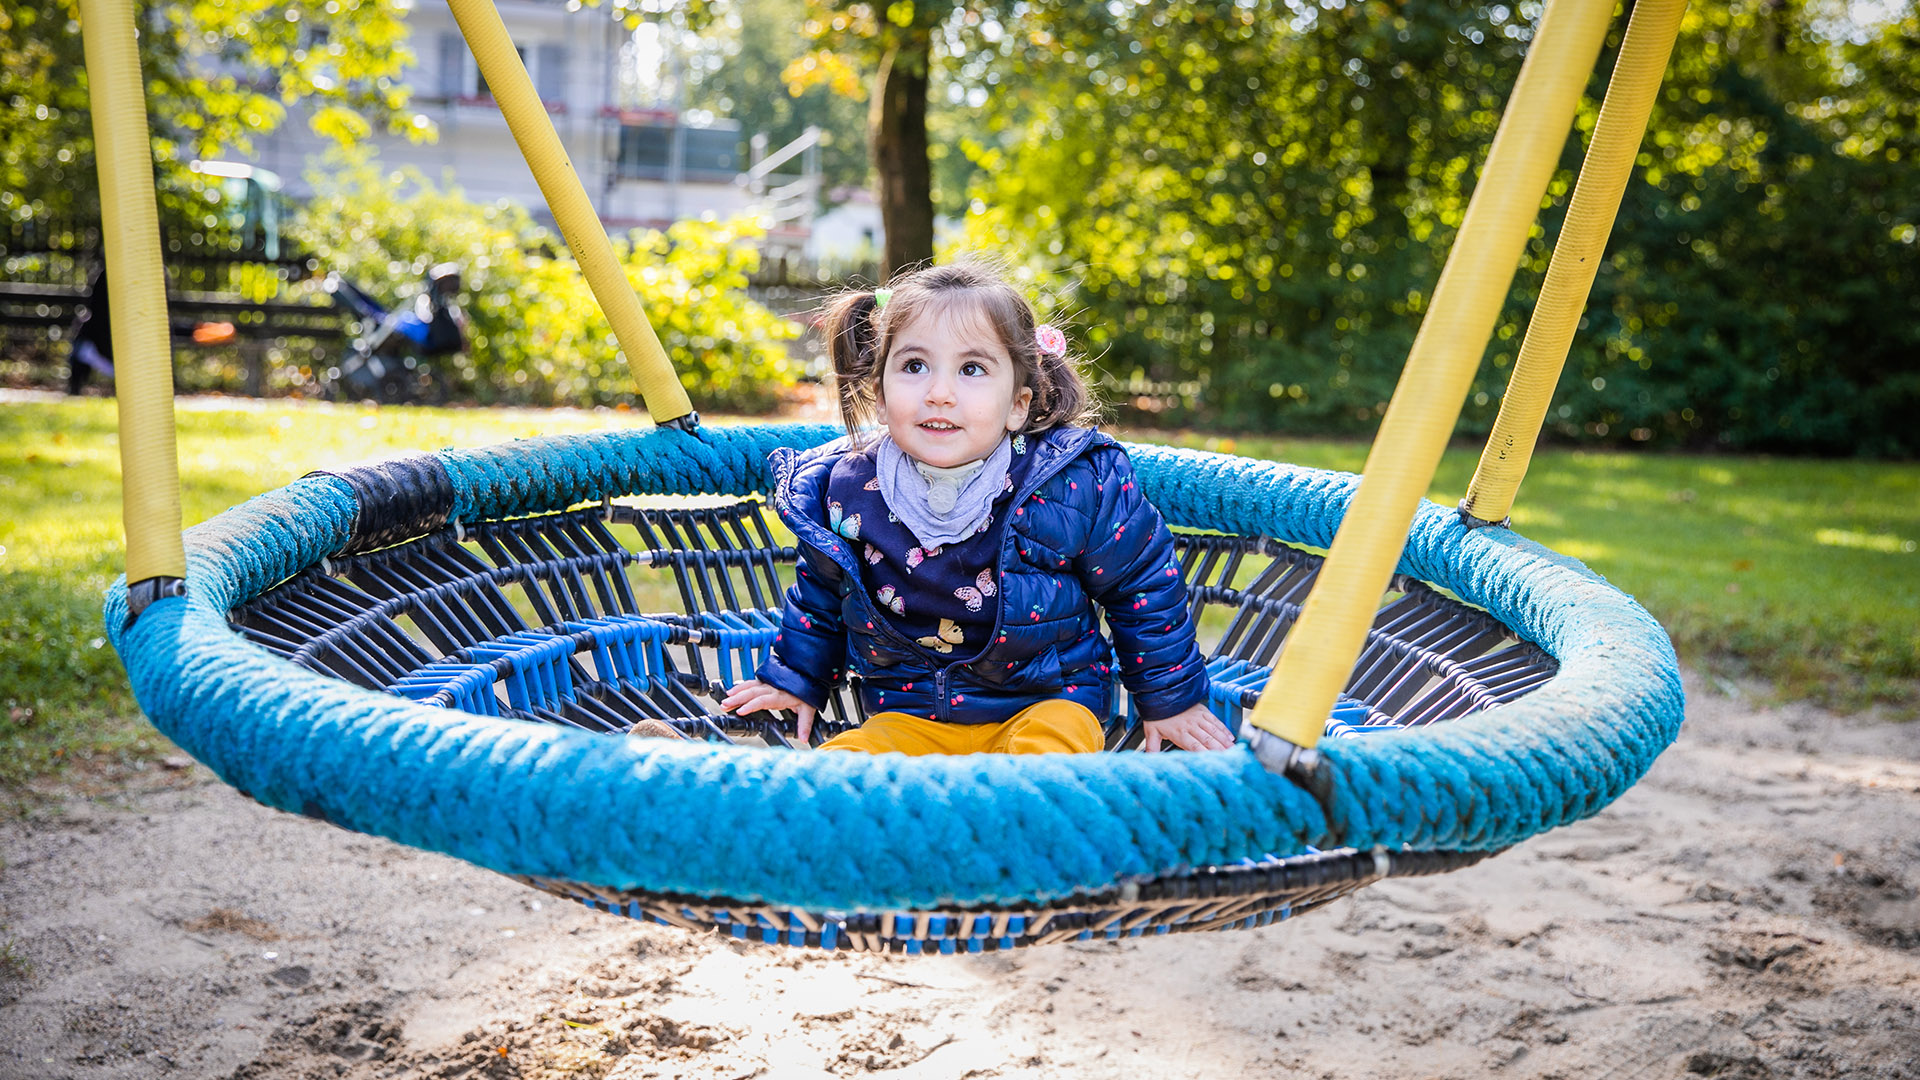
{"x":1576,"y":258}
{"x":137,"y":291}
{"x":1321,"y":650}
{"x":507,"y":79}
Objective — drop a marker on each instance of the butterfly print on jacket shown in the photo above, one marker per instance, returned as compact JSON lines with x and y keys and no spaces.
{"x":975,"y":595}
{"x":949,"y":636}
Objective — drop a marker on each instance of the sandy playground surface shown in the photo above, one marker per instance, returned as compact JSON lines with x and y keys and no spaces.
{"x":1749,"y":911}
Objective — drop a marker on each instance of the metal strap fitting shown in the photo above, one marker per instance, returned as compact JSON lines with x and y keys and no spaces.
{"x":689,"y":423}
{"x":143,"y":594}
{"x":1468,"y":519}
{"x":1300,"y":764}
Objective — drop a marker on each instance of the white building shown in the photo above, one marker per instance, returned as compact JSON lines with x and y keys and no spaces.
{"x":850,"y":231}
{"x":639,"y":166}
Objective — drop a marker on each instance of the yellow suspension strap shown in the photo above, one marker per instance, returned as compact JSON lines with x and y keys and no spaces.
{"x":507,"y":79}
{"x":137,"y":292}
{"x":1576,"y":259}
{"x":1332,"y":628}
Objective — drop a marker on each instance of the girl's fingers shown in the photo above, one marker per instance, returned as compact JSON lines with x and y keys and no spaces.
{"x":804,"y":725}
{"x":1153,"y":740}
{"x":1200,"y":735}
{"x":1208,"y":733}
{"x":756,"y":701}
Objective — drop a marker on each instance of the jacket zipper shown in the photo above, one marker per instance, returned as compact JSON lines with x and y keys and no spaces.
{"x":943,"y":708}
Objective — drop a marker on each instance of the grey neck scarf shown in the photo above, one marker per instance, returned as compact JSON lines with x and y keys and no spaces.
{"x":941,"y":506}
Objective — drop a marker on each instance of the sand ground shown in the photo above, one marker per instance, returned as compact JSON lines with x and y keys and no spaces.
{"x":1748,"y":911}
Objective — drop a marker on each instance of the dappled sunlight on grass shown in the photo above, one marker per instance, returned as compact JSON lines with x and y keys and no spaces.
{"x":64,"y":696}
{"x":1535,"y":517}
{"x":1587,"y":551}
{"x":1886,"y":543}
{"x":1726,"y":551}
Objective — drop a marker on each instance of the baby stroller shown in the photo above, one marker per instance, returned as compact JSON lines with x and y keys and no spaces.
{"x":390,"y":362}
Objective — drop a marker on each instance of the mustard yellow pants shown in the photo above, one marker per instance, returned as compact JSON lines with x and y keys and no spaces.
{"x":1051,"y":727}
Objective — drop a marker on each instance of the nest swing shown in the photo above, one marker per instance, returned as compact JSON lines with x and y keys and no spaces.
{"x":443,"y":649}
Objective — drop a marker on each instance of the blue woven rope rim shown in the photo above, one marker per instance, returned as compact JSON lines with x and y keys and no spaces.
{"x":850,"y":832}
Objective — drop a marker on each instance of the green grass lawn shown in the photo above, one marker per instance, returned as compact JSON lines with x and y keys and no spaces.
{"x":1803,"y":573}
{"x":63,"y":693}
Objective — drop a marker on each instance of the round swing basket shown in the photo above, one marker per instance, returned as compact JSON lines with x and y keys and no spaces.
{"x":448,"y":649}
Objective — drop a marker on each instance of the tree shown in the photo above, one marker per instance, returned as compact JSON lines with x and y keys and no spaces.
{"x":217,"y":74}
{"x":896,"y":44}
{"x":758,"y":44}
{"x":1759,"y":291}
{"x":1250,"y":197}
{"x":1255,"y":200}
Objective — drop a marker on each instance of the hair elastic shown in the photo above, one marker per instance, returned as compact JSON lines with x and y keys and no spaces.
{"x":880,"y":298}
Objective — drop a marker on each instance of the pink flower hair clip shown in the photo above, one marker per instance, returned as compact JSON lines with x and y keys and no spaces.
{"x":1048,"y":339}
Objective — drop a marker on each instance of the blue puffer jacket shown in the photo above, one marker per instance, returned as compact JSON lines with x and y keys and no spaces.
{"x":1079,"y":534}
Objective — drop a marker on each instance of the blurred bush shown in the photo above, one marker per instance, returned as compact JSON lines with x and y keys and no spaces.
{"x":537,"y":335}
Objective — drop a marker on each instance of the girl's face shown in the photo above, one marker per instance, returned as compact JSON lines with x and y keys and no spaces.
{"x":950,"y":392}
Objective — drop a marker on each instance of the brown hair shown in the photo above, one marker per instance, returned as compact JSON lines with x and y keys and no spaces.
{"x":860,"y":333}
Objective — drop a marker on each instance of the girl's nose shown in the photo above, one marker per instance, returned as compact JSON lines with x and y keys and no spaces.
{"x":940,"y":388}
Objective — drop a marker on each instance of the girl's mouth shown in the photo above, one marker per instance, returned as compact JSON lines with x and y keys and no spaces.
{"x":939,"y":425}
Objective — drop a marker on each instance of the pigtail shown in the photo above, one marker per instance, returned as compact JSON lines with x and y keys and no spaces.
{"x":853,"y":345}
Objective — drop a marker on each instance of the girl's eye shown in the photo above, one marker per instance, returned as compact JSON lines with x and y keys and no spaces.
{"x":912,"y":366}
{"x":973,"y":367}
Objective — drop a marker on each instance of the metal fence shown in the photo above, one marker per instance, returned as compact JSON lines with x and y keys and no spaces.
{"x":283,"y":320}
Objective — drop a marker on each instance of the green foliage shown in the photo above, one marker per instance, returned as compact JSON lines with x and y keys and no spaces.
{"x":1239,"y":198}
{"x":216,"y":75}
{"x":14,"y":964}
{"x":758,"y":42}
{"x":1254,"y":201}
{"x":537,"y":335}
{"x":1761,"y":279}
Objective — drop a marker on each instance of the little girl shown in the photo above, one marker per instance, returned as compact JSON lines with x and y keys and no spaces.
{"x":954,"y":563}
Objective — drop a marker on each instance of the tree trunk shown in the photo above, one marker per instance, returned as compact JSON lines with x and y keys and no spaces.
{"x":897,"y":122}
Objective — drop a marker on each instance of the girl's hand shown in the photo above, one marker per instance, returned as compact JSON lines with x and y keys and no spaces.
{"x":1195,"y":729}
{"x":756,"y":696}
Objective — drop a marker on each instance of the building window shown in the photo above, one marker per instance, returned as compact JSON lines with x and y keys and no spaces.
{"x":550,"y":74}
{"x":644,"y":150}
{"x":453,"y":66}
{"x":711,"y":153}
{"x":460,"y":78}
{"x":480,"y":89}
